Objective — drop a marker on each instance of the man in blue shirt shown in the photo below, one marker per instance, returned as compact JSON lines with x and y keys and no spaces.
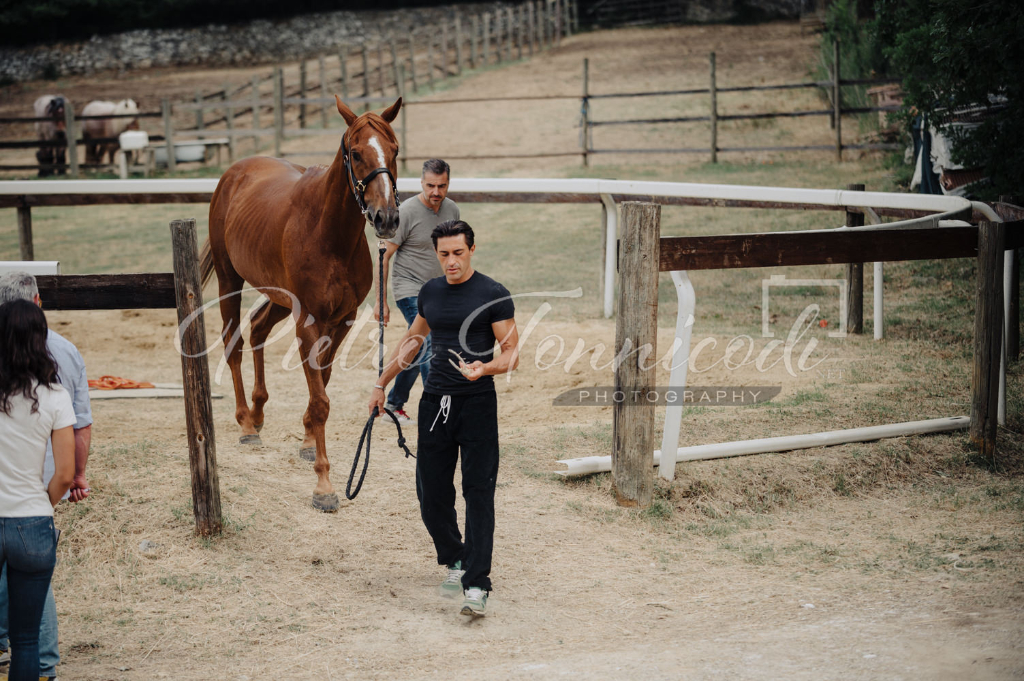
{"x":71,"y":373}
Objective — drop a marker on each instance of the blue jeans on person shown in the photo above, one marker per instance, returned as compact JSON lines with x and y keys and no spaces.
{"x":404,"y":381}
{"x":49,"y":654}
{"x":28,"y":553}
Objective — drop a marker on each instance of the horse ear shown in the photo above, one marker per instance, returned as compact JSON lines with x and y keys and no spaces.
{"x":392,"y":111}
{"x":345,"y":112}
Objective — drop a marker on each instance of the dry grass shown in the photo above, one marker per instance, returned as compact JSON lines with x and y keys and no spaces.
{"x":909,"y":549}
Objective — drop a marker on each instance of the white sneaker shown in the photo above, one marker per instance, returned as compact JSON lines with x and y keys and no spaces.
{"x":475,"y":602}
{"x":451,"y":587}
{"x":403,"y":418}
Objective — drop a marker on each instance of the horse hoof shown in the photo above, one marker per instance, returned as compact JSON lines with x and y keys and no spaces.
{"x":308,"y":453}
{"x":250,"y":440}
{"x":328,"y":503}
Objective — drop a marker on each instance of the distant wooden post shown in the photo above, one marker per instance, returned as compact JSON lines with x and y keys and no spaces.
{"x":195,"y":372}
{"x":988,"y":336}
{"x":25,"y":233}
{"x":855,"y":276}
{"x":302,"y":93}
{"x":473,"y":33}
{"x":458,"y":45}
{"x":323,"y":90}
{"x":558,"y":22}
{"x":380,"y":67}
{"x":837,"y":103}
{"x":430,"y":61}
{"x":278,"y":110}
{"x":343,"y":67}
{"x":412,"y":62}
{"x":498,"y":54}
{"x":585,"y":111}
{"x":395,"y":67}
{"x":510,"y":22}
{"x":199,"y":109}
{"x":633,"y":415}
{"x":366,"y":71}
{"x":520,"y":34}
{"x":71,"y":135}
{"x":486,"y":39}
{"x":229,"y":118}
{"x":714,"y":111}
{"x":444,"y":50}
{"x":531,"y":26}
{"x":576,"y":16}
{"x":165,"y":107}
{"x":256,"y":113}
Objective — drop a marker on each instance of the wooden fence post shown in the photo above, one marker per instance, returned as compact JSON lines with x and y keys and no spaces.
{"x":380,"y":67}
{"x":256,"y":113}
{"x":531,"y":26}
{"x":486,"y":38}
{"x":585,"y":111}
{"x":278,"y":110}
{"x":199,"y":110}
{"x":71,"y":135}
{"x":430,"y":61}
{"x":412,"y":62}
{"x":302,"y":93}
{"x":575,"y":16}
{"x":444,"y":50}
{"x":165,"y":107}
{"x":988,"y":336}
{"x":567,"y":14}
{"x":498,"y":54}
{"x":837,"y":103}
{"x":855,"y":276}
{"x":458,"y":45}
{"x":323,"y":91}
{"x":474,"y":31}
{"x":366,"y":71}
{"x":25,"y":232}
{"x":229,"y":119}
{"x":195,"y":372}
{"x":637,"y":327}
{"x":714,"y":111}
{"x":396,"y":67}
{"x":520,"y":35}
{"x":343,"y":67}
{"x":558,"y":22}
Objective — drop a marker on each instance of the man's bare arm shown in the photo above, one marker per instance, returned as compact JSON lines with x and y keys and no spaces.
{"x":508,"y":338}
{"x":79,"y":486}
{"x":403,"y":356}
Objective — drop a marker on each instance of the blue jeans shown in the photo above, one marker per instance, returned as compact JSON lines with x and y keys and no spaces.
{"x":404,"y":381}
{"x":49,"y":654}
{"x":28,"y":552}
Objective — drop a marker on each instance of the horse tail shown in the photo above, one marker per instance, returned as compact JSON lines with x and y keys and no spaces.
{"x":205,"y":263}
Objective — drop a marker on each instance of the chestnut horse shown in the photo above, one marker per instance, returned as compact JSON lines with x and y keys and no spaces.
{"x":296,"y":234}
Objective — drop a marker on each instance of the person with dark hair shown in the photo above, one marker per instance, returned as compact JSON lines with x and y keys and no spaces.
{"x":466,"y":312}
{"x":34,"y":409}
{"x":71,"y":374}
{"x":414,"y":263}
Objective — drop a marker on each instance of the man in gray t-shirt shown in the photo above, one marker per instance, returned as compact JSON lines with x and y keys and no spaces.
{"x":415,"y":263}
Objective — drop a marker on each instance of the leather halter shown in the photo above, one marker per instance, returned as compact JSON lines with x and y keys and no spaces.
{"x":359,"y":186}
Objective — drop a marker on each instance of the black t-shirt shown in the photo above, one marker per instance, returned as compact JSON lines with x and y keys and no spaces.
{"x":460,"y":318}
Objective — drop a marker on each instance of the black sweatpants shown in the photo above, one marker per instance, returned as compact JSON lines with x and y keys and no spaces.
{"x":472,"y":427}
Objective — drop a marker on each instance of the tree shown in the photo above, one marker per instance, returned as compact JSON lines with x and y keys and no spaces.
{"x":953,"y":54}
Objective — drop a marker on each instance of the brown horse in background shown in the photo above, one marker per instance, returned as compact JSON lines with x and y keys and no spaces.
{"x":296,"y":234}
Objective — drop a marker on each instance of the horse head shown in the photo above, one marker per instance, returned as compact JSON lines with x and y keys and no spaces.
{"x":55,"y":112}
{"x":370,"y":154}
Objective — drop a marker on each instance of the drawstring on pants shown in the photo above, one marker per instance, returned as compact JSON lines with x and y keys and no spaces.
{"x":446,"y":407}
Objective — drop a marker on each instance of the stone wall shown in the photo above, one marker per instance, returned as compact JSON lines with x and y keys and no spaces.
{"x":257,"y":42}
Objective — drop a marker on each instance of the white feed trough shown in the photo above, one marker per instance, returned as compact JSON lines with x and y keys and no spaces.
{"x":33,"y":267}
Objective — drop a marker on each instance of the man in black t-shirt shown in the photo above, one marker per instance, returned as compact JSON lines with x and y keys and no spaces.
{"x":465,"y":312}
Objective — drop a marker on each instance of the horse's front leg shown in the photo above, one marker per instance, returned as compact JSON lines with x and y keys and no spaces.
{"x":314,"y":351}
{"x":263,"y":322}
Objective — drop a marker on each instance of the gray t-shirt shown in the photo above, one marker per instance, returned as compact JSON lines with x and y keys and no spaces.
{"x":415,"y":261}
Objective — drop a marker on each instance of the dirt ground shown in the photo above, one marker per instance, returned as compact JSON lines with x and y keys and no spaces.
{"x":892,"y":560}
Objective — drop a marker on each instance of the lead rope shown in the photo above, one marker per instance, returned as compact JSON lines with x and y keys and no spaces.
{"x":368,"y":428}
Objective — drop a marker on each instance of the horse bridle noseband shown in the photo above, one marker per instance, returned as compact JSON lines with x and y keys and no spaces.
{"x":359,"y":186}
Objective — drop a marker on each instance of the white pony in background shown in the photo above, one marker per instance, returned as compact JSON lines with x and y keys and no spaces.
{"x":100,"y":128}
{"x":51,"y":107}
